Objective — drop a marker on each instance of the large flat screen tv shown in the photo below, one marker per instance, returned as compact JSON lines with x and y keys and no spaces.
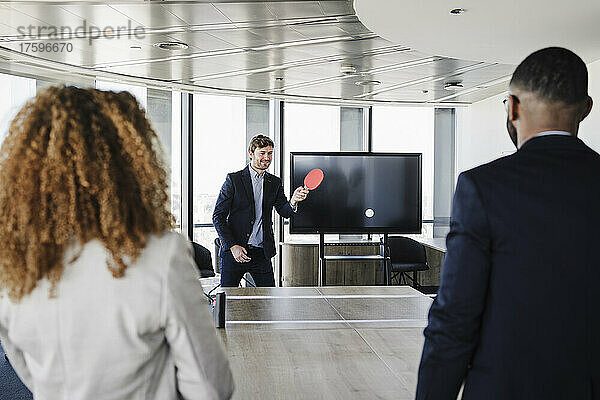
{"x":360,"y":193}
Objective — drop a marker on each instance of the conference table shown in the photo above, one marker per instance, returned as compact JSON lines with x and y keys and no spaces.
{"x":332,"y":342}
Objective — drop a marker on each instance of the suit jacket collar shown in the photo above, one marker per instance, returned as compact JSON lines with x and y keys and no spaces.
{"x":550,"y":141}
{"x":247,"y":181}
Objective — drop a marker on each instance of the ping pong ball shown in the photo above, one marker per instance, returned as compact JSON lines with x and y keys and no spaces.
{"x":369,"y":212}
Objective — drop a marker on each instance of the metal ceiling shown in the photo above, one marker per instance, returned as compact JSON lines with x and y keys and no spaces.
{"x":299,"y":49}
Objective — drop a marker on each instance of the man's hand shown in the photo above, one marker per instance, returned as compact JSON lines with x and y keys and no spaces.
{"x":239,"y":254}
{"x":299,"y":194}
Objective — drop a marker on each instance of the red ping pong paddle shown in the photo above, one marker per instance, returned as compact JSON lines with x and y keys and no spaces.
{"x":313,"y":179}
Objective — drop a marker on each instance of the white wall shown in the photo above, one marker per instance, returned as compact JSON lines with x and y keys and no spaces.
{"x":589,"y":130}
{"x":481,"y":134}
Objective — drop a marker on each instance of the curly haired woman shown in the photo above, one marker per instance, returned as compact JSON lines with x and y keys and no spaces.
{"x":98,"y":300}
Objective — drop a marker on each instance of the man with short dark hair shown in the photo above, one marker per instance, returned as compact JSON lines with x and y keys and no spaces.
{"x":242,"y":217}
{"x":516,"y":316}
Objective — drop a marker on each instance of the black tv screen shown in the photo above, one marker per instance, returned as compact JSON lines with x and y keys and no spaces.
{"x":360,"y":193}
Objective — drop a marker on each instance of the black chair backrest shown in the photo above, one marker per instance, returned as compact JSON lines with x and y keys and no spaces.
{"x":405,"y":250}
{"x":218,"y":255}
{"x":203,"y":260}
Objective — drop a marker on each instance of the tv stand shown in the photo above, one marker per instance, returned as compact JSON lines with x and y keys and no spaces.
{"x":382,"y":256}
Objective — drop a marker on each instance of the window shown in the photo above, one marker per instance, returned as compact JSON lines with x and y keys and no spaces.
{"x":17,"y":90}
{"x":308,"y":127}
{"x":139,"y":92}
{"x":219,"y":147}
{"x":176,"y":158}
{"x":408,"y":130}
{"x":164,"y":112}
{"x":352,"y":128}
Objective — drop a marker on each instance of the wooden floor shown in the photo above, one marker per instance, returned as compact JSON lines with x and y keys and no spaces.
{"x":325,"y":343}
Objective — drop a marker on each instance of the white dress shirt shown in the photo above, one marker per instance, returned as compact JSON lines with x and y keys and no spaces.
{"x":548,"y":133}
{"x":258,"y":184}
{"x":145,"y":336}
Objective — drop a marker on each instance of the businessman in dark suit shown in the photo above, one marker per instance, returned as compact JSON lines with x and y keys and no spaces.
{"x":242,"y":217}
{"x":516,"y":315}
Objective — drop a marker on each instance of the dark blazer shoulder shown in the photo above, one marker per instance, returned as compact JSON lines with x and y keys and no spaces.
{"x":533,"y":145}
{"x":237,"y":176}
{"x":492,"y":165}
{"x":240,"y":172}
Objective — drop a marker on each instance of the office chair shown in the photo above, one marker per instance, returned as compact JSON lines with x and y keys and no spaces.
{"x":406,"y":255}
{"x":203,"y":260}
{"x":217,"y":255}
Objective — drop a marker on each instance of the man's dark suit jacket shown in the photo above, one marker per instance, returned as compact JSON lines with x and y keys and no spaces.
{"x":234,"y":213}
{"x":517,"y":315}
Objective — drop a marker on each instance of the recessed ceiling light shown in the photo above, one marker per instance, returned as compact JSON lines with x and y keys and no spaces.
{"x":367,"y":83}
{"x":453,"y":85}
{"x":171,"y":45}
{"x":348,"y":69}
{"x":457,"y":11}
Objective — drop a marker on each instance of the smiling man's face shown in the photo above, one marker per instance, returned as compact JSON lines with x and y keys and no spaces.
{"x":261,"y":158}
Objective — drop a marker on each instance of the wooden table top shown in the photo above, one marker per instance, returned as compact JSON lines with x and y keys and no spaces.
{"x":325,"y":342}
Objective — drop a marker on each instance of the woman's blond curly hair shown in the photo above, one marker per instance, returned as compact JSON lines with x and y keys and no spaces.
{"x":76,"y":165}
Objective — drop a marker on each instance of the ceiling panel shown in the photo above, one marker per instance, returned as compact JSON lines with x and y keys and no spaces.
{"x":239,"y":38}
{"x":312,"y":51}
{"x":295,"y":9}
{"x":197,"y":14}
{"x":244,"y":12}
{"x":150,"y":15}
{"x":173,"y":71}
{"x":149,"y":39}
{"x":331,"y":92}
{"x":258,"y":82}
{"x":319,"y":30}
{"x":55,"y":16}
{"x":375,"y":65}
{"x":493,"y":71}
{"x":361,"y":45}
{"x":15,"y":19}
{"x":147,"y":54}
{"x":278,"y":34}
{"x":479,"y":95}
{"x":6,"y":30}
{"x":401,"y":56}
{"x":434,"y":70}
{"x":202,"y":40}
{"x":311,"y":45}
{"x":233,"y":62}
{"x":353,"y":27}
{"x":97,"y":14}
{"x":337,"y":7}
